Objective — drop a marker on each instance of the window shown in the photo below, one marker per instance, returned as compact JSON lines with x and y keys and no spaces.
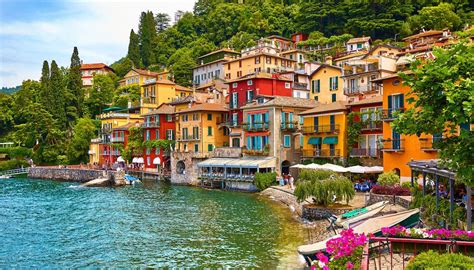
{"x":287,"y":85}
{"x":157,"y":151}
{"x":234,"y":85}
{"x":209,"y":131}
{"x":257,"y":60}
{"x":195,"y":132}
{"x":225,"y":131}
{"x":315,"y":86}
{"x":209,"y":116}
{"x":195,"y":117}
{"x":316,"y":98}
{"x":196,"y":147}
{"x":148,"y":150}
{"x":268,"y":60}
{"x":185,"y":148}
{"x":210,"y":147}
{"x":170,"y":134}
{"x":184,"y":134}
{"x":249,"y":96}
{"x":234,"y":104}
{"x":169,"y":118}
{"x":240,"y":63}
{"x":249,"y":82}
{"x":286,"y":141}
{"x":147,"y":137}
{"x":333,"y":97}
{"x":157,"y":134}
{"x":148,"y":161}
{"x":180,"y":167}
{"x":333,"y":83}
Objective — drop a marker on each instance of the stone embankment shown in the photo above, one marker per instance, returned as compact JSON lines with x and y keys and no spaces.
{"x":284,"y":196}
{"x":66,"y":174}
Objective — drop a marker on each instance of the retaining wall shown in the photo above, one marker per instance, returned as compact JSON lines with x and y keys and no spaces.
{"x":400,"y":200}
{"x":73,"y":175}
{"x":318,"y":213}
{"x":285,"y":197}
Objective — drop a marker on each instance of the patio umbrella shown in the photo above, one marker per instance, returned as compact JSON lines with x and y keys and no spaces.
{"x":375,"y":169}
{"x":313,"y":166}
{"x":134,"y":160}
{"x":358,"y":169}
{"x":334,"y":168}
{"x":120,"y":159}
{"x":156,"y":161}
{"x":140,"y":160}
{"x":299,"y":166}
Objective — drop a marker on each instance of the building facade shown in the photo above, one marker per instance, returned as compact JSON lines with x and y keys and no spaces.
{"x":89,"y":70}
{"x":326,"y":84}
{"x":211,"y":66}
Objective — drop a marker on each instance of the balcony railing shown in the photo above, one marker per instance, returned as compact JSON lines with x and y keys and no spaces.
{"x":152,"y":124}
{"x":321,"y":153}
{"x":333,"y":129}
{"x":372,"y":125}
{"x":390,"y":145}
{"x":252,"y":152}
{"x":298,"y":85}
{"x":429,"y":144}
{"x":188,"y":138}
{"x":255,"y":127}
{"x":361,"y":89}
{"x":388,"y":115}
{"x":227,"y":177}
{"x":358,"y":69}
{"x":117,"y":139}
{"x":366,"y":152}
{"x":289,"y":126}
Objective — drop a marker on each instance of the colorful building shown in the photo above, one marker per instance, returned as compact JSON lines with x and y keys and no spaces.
{"x":358,"y":44}
{"x":295,"y":54}
{"x":326,"y":84}
{"x":282,"y":43}
{"x":156,"y":92}
{"x":182,"y":91}
{"x":270,"y":129}
{"x":89,"y":70}
{"x":325,"y":131}
{"x":159,"y":125}
{"x":139,"y":76}
{"x":211,"y":66}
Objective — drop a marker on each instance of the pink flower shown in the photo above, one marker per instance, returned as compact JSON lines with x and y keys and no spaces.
{"x":325,"y":268}
{"x":349,"y":266}
{"x":321,"y":257}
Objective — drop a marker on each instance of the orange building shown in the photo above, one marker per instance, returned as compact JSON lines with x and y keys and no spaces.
{"x":399,"y":149}
{"x":89,"y":70}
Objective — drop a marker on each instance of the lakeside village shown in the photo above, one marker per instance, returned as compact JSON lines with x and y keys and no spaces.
{"x":266,"y":113}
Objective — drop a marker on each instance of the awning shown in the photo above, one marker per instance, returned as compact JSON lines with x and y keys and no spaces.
{"x":298,"y":166}
{"x":330,"y":140}
{"x":269,"y":162}
{"x":314,"y":140}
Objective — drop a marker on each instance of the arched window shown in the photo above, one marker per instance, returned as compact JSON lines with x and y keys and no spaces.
{"x":180,"y":167}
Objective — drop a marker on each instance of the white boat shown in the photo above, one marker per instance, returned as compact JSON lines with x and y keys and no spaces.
{"x":360,"y":214}
{"x":5,"y":176}
{"x":408,"y":218}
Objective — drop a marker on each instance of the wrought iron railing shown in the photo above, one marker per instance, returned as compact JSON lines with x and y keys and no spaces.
{"x":289,"y":126}
{"x":321,"y":153}
{"x":390,"y":114}
{"x":334,"y":129}
{"x":393,"y":145}
{"x":253,"y":127}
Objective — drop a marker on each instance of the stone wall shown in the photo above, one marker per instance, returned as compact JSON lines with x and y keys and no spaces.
{"x":311,"y":212}
{"x":73,"y":175}
{"x":190,"y":176}
{"x":241,"y":186}
{"x":400,"y":200}
{"x":285,"y":197}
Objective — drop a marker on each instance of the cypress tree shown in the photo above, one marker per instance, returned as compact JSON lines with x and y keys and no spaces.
{"x":44,"y":80}
{"x":76,"y":97}
{"x":147,"y":33}
{"x":134,"y":49}
{"x":57,"y":103}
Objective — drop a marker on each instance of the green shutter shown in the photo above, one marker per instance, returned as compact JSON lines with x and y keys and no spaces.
{"x":337,"y":82}
{"x":312,"y":86}
{"x":330,"y":83}
{"x":319,"y":86}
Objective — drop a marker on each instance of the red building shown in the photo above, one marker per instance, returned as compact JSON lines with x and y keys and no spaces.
{"x":159,"y":125}
{"x":245,"y":89}
{"x":119,"y":135}
{"x":297,"y":37}
{"x":371,"y":134}
{"x":89,"y":70}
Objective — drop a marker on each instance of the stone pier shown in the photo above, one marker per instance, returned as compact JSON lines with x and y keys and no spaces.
{"x":66,"y":174}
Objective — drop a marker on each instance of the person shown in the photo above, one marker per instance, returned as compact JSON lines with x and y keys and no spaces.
{"x":279,"y":180}
{"x":291,"y":180}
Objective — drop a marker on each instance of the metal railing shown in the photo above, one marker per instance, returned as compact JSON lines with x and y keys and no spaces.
{"x":188,"y":138}
{"x":371,"y":125}
{"x":289,"y":126}
{"x":361,"y":89}
{"x":429,"y":144}
{"x":253,"y":127}
{"x":152,"y":124}
{"x":389,"y":114}
{"x":390,"y":145}
{"x":366,"y":152}
{"x":321,"y":129}
{"x":227,"y":177}
{"x":358,"y":69}
{"x":14,"y":171}
{"x":321,"y":153}
{"x":298,"y":85}
{"x":117,"y":139}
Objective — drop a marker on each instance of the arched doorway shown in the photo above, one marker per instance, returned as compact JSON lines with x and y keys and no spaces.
{"x":285,"y":167}
{"x":180,"y":167}
{"x":397,"y":171}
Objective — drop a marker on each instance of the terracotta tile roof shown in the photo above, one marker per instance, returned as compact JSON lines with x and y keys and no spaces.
{"x":145,"y":72}
{"x":182,"y":88}
{"x":94,"y":66}
{"x":352,"y":55}
{"x":218,"y":51}
{"x":358,"y":40}
{"x":127,"y":126}
{"x":424,"y":34}
{"x":324,"y":66}
{"x":284,"y":101}
{"x":372,"y":100}
{"x":259,"y":54}
{"x":325,"y":108}
{"x":278,"y":37}
{"x":206,"y":107}
{"x":261,"y":75}
{"x":164,"y":81}
{"x":162,"y":109}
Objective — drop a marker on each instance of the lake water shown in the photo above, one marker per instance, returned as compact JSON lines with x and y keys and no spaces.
{"x":52,"y":224}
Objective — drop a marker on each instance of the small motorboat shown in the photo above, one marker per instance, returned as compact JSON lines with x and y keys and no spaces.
{"x":347,"y":219}
{"x":5,"y":177}
{"x":131,"y":180}
{"x":407,"y":219}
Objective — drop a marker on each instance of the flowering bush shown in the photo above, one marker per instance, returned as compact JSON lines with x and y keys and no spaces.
{"x":344,"y":252}
{"x":400,"y":231}
{"x":391,"y":190}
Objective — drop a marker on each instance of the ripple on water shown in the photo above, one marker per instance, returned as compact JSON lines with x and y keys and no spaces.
{"x":56,"y":224}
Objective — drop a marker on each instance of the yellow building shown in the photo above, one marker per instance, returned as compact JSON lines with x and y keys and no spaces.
{"x":324,"y":131}
{"x":197,"y":128}
{"x":156,"y":92}
{"x":259,"y":62}
{"x":326,"y":84}
{"x":139,"y":76}
{"x":182,"y":91}
{"x":295,"y":54}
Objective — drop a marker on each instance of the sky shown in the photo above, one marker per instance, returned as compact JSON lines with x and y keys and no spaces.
{"x":32,"y":31}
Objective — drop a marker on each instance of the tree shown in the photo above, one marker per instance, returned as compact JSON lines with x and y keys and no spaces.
{"x":100,"y":95}
{"x":56,"y":104}
{"x":240,"y":41}
{"x":180,"y":63}
{"x":6,"y":113}
{"x":162,"y":21}
{"x":134,"y":49}
{"x":126,"y":94}
{"x":75,"y":94}
{"x":122,"y":66}
{"x":84,"y":131}
{"x":437,"y":17}
{"x":442,"y":95}
{"x":44,"y":80}
{"x":147,"y":33}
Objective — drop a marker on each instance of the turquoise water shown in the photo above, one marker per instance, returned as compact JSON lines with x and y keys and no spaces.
{"x":51,"y":224}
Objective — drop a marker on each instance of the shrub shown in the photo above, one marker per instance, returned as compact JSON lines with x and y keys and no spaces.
{"x":434,"y":260}
{"x":391,"y":190}
{"x":265,"y":180}
{"x":388,"y":179}
{"x":314,"y":175}
{"x":323,"y":190}
{"x":13,"y":164}
{"x":16,"y":152}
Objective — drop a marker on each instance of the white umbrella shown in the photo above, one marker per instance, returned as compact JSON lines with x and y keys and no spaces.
{"x":140,"y":160}
{"x":313,"y":166}
{"x":299,"y":166}
{"x":134,"y":160}
{"x":120,"y":159}
{"x":157,"y":161}
{"x":358,"y":169}
{"x":334,"y":168}
{"x":375,"y":169}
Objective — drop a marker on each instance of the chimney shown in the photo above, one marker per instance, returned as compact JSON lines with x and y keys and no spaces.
{"x":328,"y":60}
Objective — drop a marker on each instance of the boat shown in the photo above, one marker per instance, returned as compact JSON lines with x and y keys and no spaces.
{"x":374,"y":225}
{"x":131,"y":180}
{"x":5,"y":176}
{"x":347,"y":220}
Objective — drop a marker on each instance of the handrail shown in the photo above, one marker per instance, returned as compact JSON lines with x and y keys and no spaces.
{"x":14,"y":171}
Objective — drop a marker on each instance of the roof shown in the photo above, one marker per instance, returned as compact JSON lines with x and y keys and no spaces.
{"x":95,"y":66}
{"x":372,"y":100}
{"x":218,"y":51}
{"x":182,"y":88}
{"x":164,"y":108}
{"x":127,"y":126}
{"x":214,"y":107}
{"x":325,"y":108}
{"x":245,"y":162}
{"x":146,"y":72}
{"x":258,"y":54}
{"x":324,"y":66}
{"x":261,"y":75}
{"x":164,"y":81}
{"x":424,"y":34}
{"x":349,"y":56}
{"x":278,"y":37}
{"x":358,"y":40}
{"x":379,"y":80}
{"x":284,"y":101}
{"x":292,"y":51}
{"x":381,"y":45}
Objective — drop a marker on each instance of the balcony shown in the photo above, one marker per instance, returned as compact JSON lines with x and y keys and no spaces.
{"x":252,"y":152}
{"x":359,"y":69}
{"x":330,"y":129}
{"x":389,"y":115}
{"x":429,"y":144}
{"x":326,"y":153}
{"x":366,"y":152}
{"x":117,"y":139}
{"x":188,"y":138}
{"x":361,"y":89}
{"x":390,"y":145}
{"x":96,"y":140}
{"x":152,"y":124}
{"x":301,"y":86}
{"x":91,"y":152}
{"x":372,"y":125}
{"x":289,"y":126}
{"x":255,"y":127}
